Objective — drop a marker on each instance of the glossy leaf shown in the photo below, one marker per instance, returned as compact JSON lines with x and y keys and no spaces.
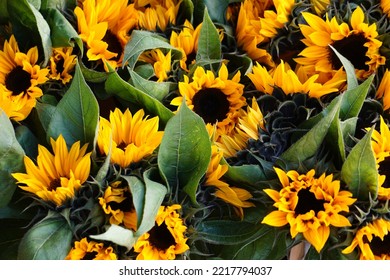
{"x":11,"y":159}
{"x":209,"y":45}
{"x":352,"y":81}
{"x":118,"y":235}
{"x":50,"y":239}
{"x":185,"y":151}
{"x":359,"y":170}
{"x":76,"y":115}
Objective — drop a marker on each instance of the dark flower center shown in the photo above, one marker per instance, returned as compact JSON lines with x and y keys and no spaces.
{"x":89,"y":256}
{"x":18,"y":80}
{"x":126,"y":205}
{"x":160,"y":237}
{"x":352,"y":48}
{"x":379,"y":247}
{"x":384,"y":169}
{"x":56,"y":183}
{"x":122,"y":146}
{"x":211,"y":104}
{"x":307,"y":201}
{"x":60,"y":65}
{"x":113,"y":43}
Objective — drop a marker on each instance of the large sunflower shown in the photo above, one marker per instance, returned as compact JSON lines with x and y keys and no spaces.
{"x":57,"y":176}
{"x":309,"y":205}
{"x":117,"y":202}
{"x":357,"y":41}
{"x":62,"y":63}
{"x":372,"y":241}
{"x":133,"y":137}
{"x":217,"y":99}
{"x":90,"y":250}
{"x":166,"y":239}
{"x":104,"y":26}
{"x":20,"y":77}
{"x":286,"y":79}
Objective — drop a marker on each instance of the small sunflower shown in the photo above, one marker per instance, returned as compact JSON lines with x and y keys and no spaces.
{"x":372,"y":241}
{"x":216,"y":99}
{"x":57,"y":176}
{"x":309,"y":205}
{"x":320,"y":6}
{"x":383,"y":90}
{"x":289,"y":82}
{"x":161,"y":63}
{"x":133,"y":137}
{"x":166,"y":239}
{"x":90,"y":250}
{"x":104,"y":26}
{"x":357,"y":41}
{"x":117,"y":202}
{"x":20,"y":77}
{"x":62,"y":63}
{"x":17,"y":108}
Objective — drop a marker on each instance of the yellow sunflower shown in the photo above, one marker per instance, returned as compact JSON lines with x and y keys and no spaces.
{"x":372,"y":241}
{"x":133,"y":137}
{"x":166,"y":239}
{"x":20,"y":77}
{"x":383,"y":90}
{"x":62,"y":63}
{"x":157,"y":15}
{"x":381,"y":146}
{"x":117,"y":202}
{"x":357,"y":41}
{"x":217,"y":99}
{"x":385,"y":6}
{"x":57,"y":176}
{"x":320,"y":6}
{"x":309,"y":205}
{"x":104,"y":26}
{"x":16,"y":108}
{"x":90,"y":250}
{"x":161,"y":63}
{"x":290,"y":82}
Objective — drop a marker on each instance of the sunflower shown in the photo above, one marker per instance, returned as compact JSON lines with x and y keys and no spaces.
{"x":289,"y":82}
{"x":20,"y":78}
{"x":157,"y":15}
{"x":56,"y":176}
{"x":17,"y":108}
{"x":309,"y":205}
{"x":187,"y":42}
{"x":161,"y":63}
{"x":356,"y":41}
{"x":166,"y":239}
{"x":381,"y":146}
{"x":90,"y":250}
{"x":62,"y":63}
{"x":385,"y":6}
{"x":133,"y":137}
{"x":372,"y":241}
{"x":117,"y":202}
{"x":383,"y":90}
{"x":104,"y":26}
{"x":216,"y":99}
{"x":320,"y":6}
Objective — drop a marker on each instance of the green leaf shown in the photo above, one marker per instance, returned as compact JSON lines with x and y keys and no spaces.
{"x":62,"y":32}
{"x":27,"y":140}
{"x":359,"y":170}
{"x":77,"y":114}
{"x":4,"y":17}
{"x":250,"y":175}
{"x":11,"y":159}
{"x":185,"y":151}
{"x":308,"y":144}
{"x":217,"y":9}
{"x":119,"y":235}
{"x":49,"y":239}
{"x":209,"y":45}
{"x":199,"y":8}
{"x":142,"y":41}
{"x":30,"y":27}
{"x":12,"y":232}
{"x":156,"y":90}
{"x":352,"y":81}
{"x":117,"y":86}
{"x":186,"y":11}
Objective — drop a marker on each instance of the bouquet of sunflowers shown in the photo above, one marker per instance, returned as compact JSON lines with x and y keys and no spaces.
{"x":182,"y":129}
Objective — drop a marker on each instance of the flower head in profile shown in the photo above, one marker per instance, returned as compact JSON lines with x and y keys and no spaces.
{"x":16,"y":108}
{"x":357,"y":41}
{"x":90,"y":250}
{"x":215,"y":98}
{"x":166,"y":239}
{"x":372,"y":241}
{"x":117,"y":203}
{"x":56,"y":176}
{"x":383,"y":90}
{"x":130,"y":137}
{"x":309,"y":205}
{"x":20,"y":78}
{"x":62,"y":63}
{"x":161,"y":63}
